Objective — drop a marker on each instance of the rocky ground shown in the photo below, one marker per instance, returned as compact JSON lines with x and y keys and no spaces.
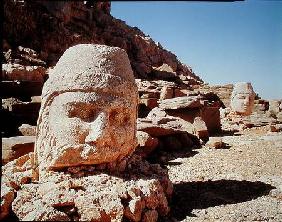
{"x":240,"y":182}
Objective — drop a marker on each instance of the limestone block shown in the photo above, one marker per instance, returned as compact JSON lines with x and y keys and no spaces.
{"x":146,"y":143}
{"x":27,"y":130}
{"x":20,"y":72}
{"x":14,"y":147}
{"x":188,"y":102}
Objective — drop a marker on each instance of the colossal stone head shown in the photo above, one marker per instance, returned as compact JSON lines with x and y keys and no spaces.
{"x":242,"y":98}
{"x":88,"y":112}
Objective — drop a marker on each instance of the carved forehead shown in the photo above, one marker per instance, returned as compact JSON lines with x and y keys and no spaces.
{"x":94,"y":98}
{"x":243,"y":87}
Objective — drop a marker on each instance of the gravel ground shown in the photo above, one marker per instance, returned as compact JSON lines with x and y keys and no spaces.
{"x":242,"y":182}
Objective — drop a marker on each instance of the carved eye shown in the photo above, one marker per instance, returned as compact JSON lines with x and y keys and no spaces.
{"x":119,"y":117}
{"x":83,"y":112}
{"x":126,"y":119}
{"x":114,"y":116}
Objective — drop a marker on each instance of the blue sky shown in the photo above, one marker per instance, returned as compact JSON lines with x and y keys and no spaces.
{"x":223,"y":42}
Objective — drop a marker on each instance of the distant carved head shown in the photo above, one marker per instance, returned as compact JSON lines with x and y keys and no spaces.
{"x":88,"y":112}
{"x":242,"y":98}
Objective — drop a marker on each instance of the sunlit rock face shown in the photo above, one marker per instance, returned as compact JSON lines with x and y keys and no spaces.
{"x":242,"y":98}
{"x":88,"y":111}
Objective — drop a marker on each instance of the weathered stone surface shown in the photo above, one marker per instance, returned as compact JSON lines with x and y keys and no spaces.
{"x":88,"y":185}
{"x":167,"y":92}
{"x":223,"y":91}
{"x":164,"y":71}
{"x":211,"y":117}
{"x":201,"y":128}
{"x":154,"y":129}
{"x":7,"y":197}
{"x":9,"y":102}
{"x":274,"y":106}
{"x":236,"y":122}
{"x":27,"y":130}
{"x":242,"y":98}
{"x":189,"y":102}
{"x":149,"y":102}
{"x":88,"y":107}
{"x":18,"y":171}
{"x":20,"y":72}
{"x":181,"y":92}
{"x":146,"y":143}
{"x":82,"y":194}
{"x":261,"y":106}
{"x":279,"y":117}
{"x":14,"y":147}
{"x":36,"y":99}
{"x":275,"y":127}
{"x":166,"y":126}
{"x":150,"y":216}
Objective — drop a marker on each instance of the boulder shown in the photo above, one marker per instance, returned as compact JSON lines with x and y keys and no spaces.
{"x":215,"y":142}
{"x":7,"y":197}
{"x":274,"y":106}
{"x":279,"y":117}
{"x":166,"y":126}
{"x":25,"y":73}
{"x":167,"y":92}
{"x":149,"y":102}
{"x":27,"y":130}
{"x":201,"y":129}
{"x":146,"y":143}
{"x":165,"y":72}
{"x":211,"y":116}
{"x":189,"y":102}
{"x":275,"y":127}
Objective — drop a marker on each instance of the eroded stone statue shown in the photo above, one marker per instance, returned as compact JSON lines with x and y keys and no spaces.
{"x":242,"y":98}
{"x":88,"y":111}
{"x":84,"y":159}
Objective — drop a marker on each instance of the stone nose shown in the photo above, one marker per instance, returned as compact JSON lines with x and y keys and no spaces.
{"x":97,"y":129}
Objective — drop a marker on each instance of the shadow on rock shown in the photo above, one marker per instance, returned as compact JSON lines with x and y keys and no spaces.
{"x":201,"y":195}
{"x":227,"y":133}
{"x":164,"y":157}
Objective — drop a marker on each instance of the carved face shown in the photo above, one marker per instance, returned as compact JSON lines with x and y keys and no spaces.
{"x":242,"y":103}
{"x":91,"y":127}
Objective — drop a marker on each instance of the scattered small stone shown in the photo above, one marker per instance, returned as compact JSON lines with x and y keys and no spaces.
{"x":215,"y":142}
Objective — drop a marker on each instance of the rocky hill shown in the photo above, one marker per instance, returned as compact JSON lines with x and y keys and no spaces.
{"x":50,"y":27}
